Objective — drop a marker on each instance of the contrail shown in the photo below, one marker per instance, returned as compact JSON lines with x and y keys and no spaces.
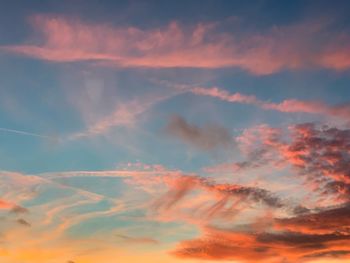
{"x":27,"y":133}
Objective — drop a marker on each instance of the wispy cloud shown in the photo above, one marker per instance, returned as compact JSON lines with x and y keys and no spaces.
{"x":288,"y":105}
{"x":198,"y":46}
{"x":136,"y":240}
{"x":127,"y":113}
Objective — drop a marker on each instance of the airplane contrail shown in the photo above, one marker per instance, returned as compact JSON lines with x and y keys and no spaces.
{"x":27,"y":133}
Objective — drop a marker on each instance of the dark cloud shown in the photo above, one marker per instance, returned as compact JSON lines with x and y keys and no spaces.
{"x":338,"y":188}
{"x":225,"y":198}
{"x":294,"y":239}
{"x":325,"y":221}
{"x":19,"y":210}
{"x":331,"y":253}
{"x":299,"y":209}
{"x":206,"y":138}
{"x":23,"y":222}
{"x":254,"y":194}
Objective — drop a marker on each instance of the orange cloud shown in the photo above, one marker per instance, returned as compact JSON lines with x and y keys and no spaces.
{"x":224,"y":244}
{"x":325,"y":221}
{"x":5,"y":204}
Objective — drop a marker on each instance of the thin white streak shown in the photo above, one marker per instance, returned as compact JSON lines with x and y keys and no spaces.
{"x":108,"y":173}
{"x":26,"y":133}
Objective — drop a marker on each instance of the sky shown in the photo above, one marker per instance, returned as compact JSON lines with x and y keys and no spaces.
{"x":174,"y":131}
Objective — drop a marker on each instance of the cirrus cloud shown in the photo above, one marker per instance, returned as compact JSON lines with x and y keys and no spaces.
{"x":200,"y":46}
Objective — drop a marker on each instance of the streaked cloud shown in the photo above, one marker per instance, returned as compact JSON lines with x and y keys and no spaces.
{"x":65,"y":39}
{"x":137,"y":240}
{"x":288,"y":105}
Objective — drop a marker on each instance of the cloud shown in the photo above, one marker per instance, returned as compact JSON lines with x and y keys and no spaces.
{"x":258,"y":146}
{"x":222,"y":245}
{"x":215,"y":200}
{"x":126,"y":114}
{"x":326,"y":221}
{"x":318,"y":154}
{"x":228,"y":213}
{"x":29,"y":134}
{"x":226,"y":244}
{"x":5,"y":204}
{"x":19,"y":210}
{"x":12,"y":207}
{"x":137,"y":240}
{"x":23,"y":222}
{"x":205,"y":138}
{"x":254,"y":160}
{"x":105,"y":173}
{"x":200,"y":46}
{"x":287,"y":106}
{"x":211,"y":205}
{"x":301,"y":240}
{"x":321,"y":155}
{"x":333,"y":254}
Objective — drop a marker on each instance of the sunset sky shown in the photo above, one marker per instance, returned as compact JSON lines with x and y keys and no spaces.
{"x":174,"y":131}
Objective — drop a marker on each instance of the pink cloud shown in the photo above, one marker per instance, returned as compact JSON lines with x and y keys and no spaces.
{"x":200,"y":46}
